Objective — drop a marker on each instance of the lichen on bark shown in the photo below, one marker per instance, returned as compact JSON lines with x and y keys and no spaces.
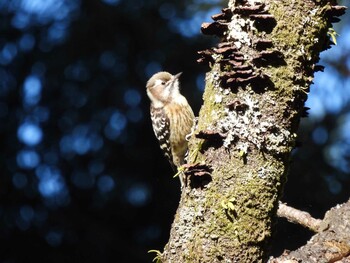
{"x":240,"y":149}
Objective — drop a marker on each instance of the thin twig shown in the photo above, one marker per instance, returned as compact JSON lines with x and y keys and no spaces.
{"x":298,"y":217}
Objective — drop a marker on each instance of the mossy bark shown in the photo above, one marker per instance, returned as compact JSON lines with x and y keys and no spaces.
{"x":239,"y":152}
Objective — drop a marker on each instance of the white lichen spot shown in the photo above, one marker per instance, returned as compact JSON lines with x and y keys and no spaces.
{"x":313,"y":11}
{"x":214,"y":114}
{"x":218,"y":98}
{"x":216,"y":56}
{"x":262,"y":172}
{"x":278,"y":139}
{"x":229,"y":139}
{"x":243,"y":147}
{"x":253,"y":2}
{"x":249,"y":128}
{"x":237,"y":31}
{"x":226,"y":91}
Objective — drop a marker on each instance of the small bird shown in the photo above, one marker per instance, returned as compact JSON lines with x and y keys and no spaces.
{"x":172,"y":117}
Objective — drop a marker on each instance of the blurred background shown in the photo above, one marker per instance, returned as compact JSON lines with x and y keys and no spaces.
{"x":83,"y":178}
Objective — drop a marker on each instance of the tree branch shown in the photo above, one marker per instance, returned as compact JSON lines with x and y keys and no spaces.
{"x":330,"y":244}
{"x":298,"y":217}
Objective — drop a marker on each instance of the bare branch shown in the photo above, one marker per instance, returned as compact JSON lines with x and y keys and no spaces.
{"x":298,"y":217}
{"x":330,"y":244}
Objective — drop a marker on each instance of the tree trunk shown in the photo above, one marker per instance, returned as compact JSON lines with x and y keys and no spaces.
{"x":239,"y":152}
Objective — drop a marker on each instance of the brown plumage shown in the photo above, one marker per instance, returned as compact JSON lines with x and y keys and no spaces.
{"x":172,"y":116}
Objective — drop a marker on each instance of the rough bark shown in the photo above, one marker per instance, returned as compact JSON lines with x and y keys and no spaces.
{"x":240,"y":149}
{"x":331,"y":244}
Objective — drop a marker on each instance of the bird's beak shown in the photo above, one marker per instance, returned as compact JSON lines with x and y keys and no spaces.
{"x":175,"y":81}
{"x":177,"y":75}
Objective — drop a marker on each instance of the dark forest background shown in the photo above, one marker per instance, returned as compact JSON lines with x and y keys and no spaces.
{"x":83,"y":178}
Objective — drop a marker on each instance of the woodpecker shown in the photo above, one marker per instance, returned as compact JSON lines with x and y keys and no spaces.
{"x":172,"y":117}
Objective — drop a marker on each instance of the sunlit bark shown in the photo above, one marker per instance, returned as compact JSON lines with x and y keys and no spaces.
{"x":240,"y":150}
